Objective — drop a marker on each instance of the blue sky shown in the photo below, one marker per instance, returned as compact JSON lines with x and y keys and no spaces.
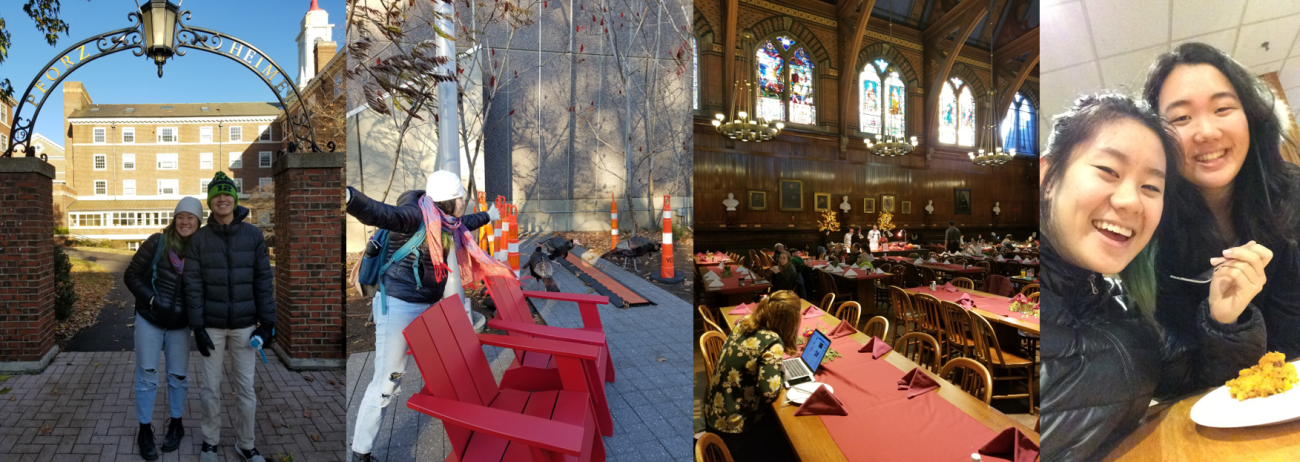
{"x":197,"y":77}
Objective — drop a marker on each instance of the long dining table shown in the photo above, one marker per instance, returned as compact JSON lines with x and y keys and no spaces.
{"x":737,"y":288}
{"x":995,"y":308}
{"x":946,"y":424}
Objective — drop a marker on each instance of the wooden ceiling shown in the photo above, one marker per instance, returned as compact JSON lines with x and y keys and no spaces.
{"x":1013,"y":18}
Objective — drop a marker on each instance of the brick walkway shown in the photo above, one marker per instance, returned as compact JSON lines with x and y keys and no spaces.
{"x":87,"y":412}
{"x":650,"y":402}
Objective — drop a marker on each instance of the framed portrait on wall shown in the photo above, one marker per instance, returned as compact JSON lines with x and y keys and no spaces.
{"x":961,"y":201}
{"x":757,"y":200}
{"x":887,"y":203}
{"x":869,"y":205}
{"x":791,"y":195}
{"x":821,"y":202}
{"x":907,"y":207}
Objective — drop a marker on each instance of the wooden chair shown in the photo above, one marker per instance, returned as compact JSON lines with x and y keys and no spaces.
{"x":487,"y":422}
{"x":956,"y":330}
{"x":711,"y":344}
{"x":963,"y":283}
{"x":1010,"y":268}
{"x":917,"y":346}
{"x":707,"y":314}
{"x":850,"y":312}
{"x":1029,"y":289}
{"x":884,"y":266}
{"x":912,"y":277}
{"x":974,"y":378}
{"x":927,"y":276}
{"x":877,"y":326}
{"x":713,"y":326}
{"x":901,"y":305}
{"x":828,"y":301}
{"x":1004,"y":366}
{"x":710,"y":448}
{"x":755,"y":260}
{"x":985,"y":274}
{"x":829,"y":287}
{"x":929,"y":316}
{"x":932,"y":255}
{"x":1033,"y":298}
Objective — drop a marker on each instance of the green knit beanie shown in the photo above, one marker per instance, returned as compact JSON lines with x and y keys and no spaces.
{"x":222,"y":184}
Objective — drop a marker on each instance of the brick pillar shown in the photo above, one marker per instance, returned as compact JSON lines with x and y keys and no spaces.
{"x":309,"y":260}
{"x":26,"y":265}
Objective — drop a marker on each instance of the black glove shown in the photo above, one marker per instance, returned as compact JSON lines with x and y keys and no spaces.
{"x":204,"y":342}
{"x":266,"y":331}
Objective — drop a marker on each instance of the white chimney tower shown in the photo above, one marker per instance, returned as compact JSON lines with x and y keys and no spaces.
{"x":315,"y":27}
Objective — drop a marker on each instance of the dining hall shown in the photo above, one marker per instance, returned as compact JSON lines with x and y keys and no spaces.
{"x":872,"y":166}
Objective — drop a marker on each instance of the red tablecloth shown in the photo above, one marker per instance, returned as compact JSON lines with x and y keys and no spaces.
{"x":1000,"y":306}
{"x":923,"y":428}
{"x":732,"y":285}
{"x":940,"y":265}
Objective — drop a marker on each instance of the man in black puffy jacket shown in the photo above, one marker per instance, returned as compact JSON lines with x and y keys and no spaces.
{"x":228,"y":286}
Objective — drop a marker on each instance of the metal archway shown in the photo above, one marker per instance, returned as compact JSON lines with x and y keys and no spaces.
{"x":131,"y":38}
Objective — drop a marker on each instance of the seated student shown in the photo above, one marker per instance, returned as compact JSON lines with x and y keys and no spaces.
{"x":747,"y":379}
{"x":784,"y":276}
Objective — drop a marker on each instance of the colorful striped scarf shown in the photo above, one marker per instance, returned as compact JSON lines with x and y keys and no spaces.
{"x":475,"y":264}
{"x":178,"y":262}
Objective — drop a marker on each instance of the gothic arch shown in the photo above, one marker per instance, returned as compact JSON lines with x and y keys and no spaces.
{"x":778,"y":25}
{"x":704,"y":32}
{"x":977,"y":86}
{"x":890,"y":53}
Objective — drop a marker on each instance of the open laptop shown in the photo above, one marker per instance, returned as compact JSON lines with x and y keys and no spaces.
{"x":801,"y":369}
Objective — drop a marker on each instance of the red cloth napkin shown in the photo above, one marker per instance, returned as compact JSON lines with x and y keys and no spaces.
{"x":822,"y":402}
{"x":1011,"y":445}
{"x":743,"y":308}
{"x":813,"y":312}
{"x":876,"y":346}
{"x":917,"y":383}
{"x":843,"y":329}
{"x":965,"y":301}
{"x":949,"y":287}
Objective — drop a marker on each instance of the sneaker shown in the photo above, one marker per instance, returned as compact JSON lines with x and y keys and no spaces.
{"x":147,"y":449}
{"x":209,"y":454}
{"x":175,"y":432}
{"x":358,"y":457}
{"x":251,"y":455}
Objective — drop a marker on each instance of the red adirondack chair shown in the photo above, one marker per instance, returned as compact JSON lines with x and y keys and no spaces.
{"x":484,"y":422}
{"x":532,"y":369}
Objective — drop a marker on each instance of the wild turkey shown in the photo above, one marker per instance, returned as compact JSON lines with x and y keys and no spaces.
{"x":632,"y":249}
{"x":539,"y":263}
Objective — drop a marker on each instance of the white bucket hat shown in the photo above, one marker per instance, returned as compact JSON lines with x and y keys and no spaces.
{"x":444,"y":186}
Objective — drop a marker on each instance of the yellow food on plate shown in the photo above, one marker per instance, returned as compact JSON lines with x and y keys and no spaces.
{"x":1273,"y":375}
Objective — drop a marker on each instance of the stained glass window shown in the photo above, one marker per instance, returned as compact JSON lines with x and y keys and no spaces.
{"x":884,"y":100}
{"x":695,"y":66}
{"x":948,"y":114}
{"x":1019,"y":128}
{"x":785,"y":82}
{"x":966,"y":125}
{"x":956,"y":113}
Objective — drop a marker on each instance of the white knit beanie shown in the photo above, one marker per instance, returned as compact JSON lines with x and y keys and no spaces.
{"x":191,"y":205}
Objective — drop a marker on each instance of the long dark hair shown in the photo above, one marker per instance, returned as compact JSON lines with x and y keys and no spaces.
{"x":1080,"y":125}
{"x":1259,"y":210}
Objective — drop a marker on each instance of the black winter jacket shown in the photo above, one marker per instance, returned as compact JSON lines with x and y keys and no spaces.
{"x":228,"y":280}
{"x":403,"y":220}
{"x":168,"y":308}
{"x":1102,"y":361}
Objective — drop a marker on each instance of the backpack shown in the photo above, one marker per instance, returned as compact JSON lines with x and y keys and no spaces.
{"x":368,"y":274}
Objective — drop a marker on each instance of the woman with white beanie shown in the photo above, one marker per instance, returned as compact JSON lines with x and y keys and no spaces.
{"x":161,"y":324}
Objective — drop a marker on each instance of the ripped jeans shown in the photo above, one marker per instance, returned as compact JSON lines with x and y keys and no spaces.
{"x":150,"y":342}
{"x":390,"y":364}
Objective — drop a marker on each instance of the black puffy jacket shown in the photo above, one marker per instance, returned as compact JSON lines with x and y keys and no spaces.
{"x":1102,"y":361}
{"x":228,"y":280}
{"x":168,"y":308}
{"x":403,"y":220}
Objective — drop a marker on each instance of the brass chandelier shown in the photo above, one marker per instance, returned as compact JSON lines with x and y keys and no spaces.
{"x":990,"y":154}
{"x":890,"y":145}
{"x":740,"y":126}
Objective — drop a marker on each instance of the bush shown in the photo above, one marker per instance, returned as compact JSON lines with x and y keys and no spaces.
{"x":63,"y":231}
{"x":65,"y":293}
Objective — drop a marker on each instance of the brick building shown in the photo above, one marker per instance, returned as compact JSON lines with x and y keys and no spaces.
{"x":6,"y":121}
{"x":129,"y":164}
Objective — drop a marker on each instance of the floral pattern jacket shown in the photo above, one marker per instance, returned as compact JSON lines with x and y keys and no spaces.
{"x":746,"y":380}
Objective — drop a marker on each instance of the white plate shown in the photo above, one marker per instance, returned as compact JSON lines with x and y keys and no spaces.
{"x":1219,"y":409}
{"x":800,"y":393}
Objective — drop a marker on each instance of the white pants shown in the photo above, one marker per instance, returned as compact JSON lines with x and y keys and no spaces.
{"x":390,"y":364}
{"x":243,"y":357}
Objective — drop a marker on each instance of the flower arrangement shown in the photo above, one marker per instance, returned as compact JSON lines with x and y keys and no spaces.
{"x":828,"y":222}
{"x":886,"y":222}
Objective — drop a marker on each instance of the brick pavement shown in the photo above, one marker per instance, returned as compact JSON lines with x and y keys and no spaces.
{"x":650,"y":402}
{"x":82,"y":408}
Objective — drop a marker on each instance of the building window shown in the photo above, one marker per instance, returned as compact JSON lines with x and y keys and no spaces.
{"x":781,"y":86}
{"x":264,"y":133}
{"x":956,"y":113}
{"x":338,"y":85}
{"x":263,"y":184}
{"x":883,"y":99}
{"x":133,"y":245}
{"x":264,"y":159}
{"x":124,"y":219}
{"x":239,"y":185}
{"x":128,"y":161}
{"x":168,"y":135}
{"x":100,"y":135}
{"x":236,"y":160}
{"x":4,"y":113}
{"x":85,"y":219}
{"x":128,"y":187}
{"x":236,"y":133}
{"x":101,"y":161}
{"x":205,"y":161}
{"x":167,"y":162}
{"x":128,"y":134}
{"x":1020,"y":127}
{"x":101,"y":187}
{"x":168,"y":187}
{"x":203,"y":185}
{"x":205,"y":134}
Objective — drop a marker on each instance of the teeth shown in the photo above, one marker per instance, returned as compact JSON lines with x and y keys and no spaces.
{"x":1114,"y":228}
{"x":1211,"y":156}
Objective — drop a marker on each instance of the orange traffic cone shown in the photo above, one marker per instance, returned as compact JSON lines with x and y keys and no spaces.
{"x":613,"y":222}
{"x":499,"y":244}
{"x":667,"y":274}
{"x":513,"y":240}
